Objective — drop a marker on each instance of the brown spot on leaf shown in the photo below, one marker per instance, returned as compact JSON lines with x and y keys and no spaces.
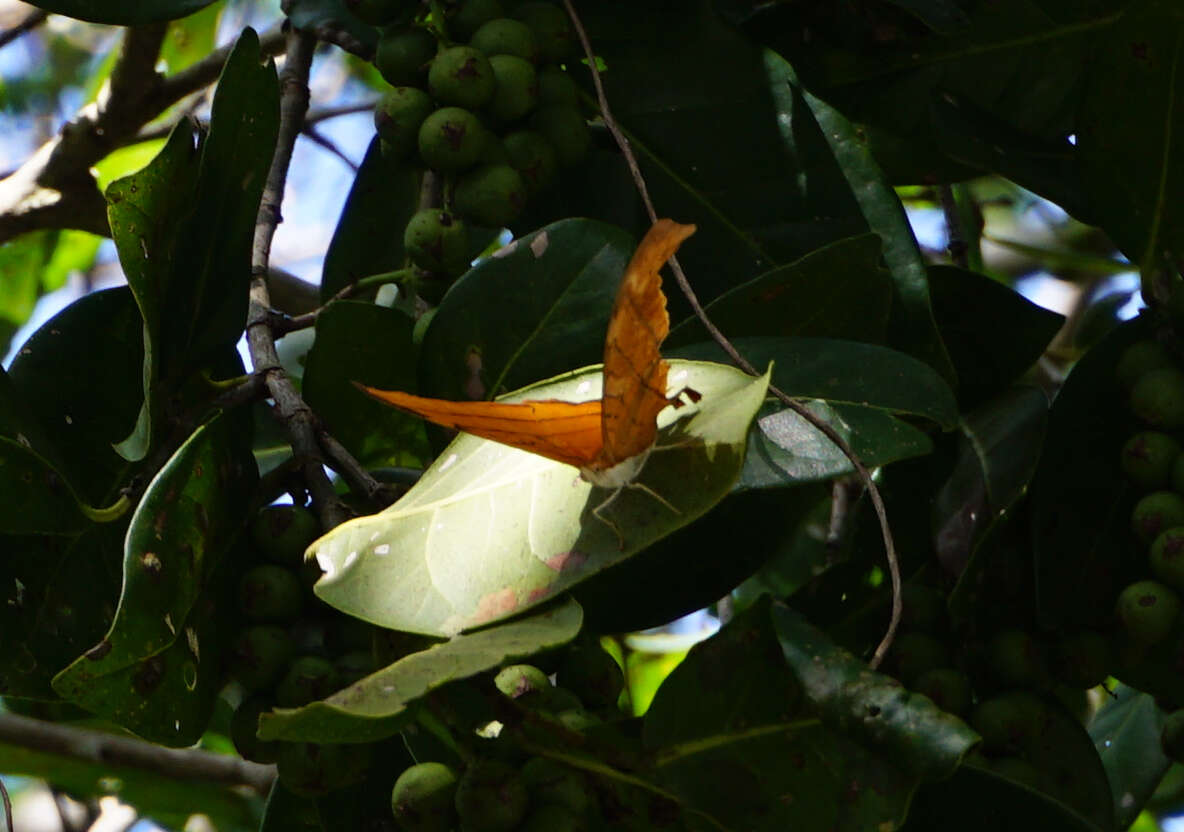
{"x":149,"y":676}
{"x":566,"y":561}
{"x":494,"y":605}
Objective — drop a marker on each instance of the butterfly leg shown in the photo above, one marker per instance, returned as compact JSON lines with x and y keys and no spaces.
{"x":598,"y":513}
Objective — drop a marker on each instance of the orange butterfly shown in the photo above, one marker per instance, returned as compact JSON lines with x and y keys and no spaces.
{"x":608,"y":439}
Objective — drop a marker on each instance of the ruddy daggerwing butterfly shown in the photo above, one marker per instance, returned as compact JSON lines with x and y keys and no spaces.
{"x":607,"y":439}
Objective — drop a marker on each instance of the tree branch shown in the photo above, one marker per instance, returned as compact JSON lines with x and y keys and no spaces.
{"x":98,"y":747}
{"x":54,"y":187}
{"x":32,"y":20}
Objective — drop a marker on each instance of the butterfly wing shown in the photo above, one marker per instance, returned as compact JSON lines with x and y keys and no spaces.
{"x":563,"y":431}
{"x":634,"y":370}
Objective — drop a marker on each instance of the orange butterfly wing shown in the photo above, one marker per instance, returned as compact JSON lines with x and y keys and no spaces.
{"x":563,"y":431}
{"x":634,"y":370}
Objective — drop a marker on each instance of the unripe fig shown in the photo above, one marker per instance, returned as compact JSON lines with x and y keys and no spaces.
{"x":311,"y":637}
{"x":914,"y":653}
{"x":1009,"y":722}
{"x":518,"y":680}
{"x":557,"y":87}
{"x":270,"y":593}
{"x":566,"y":130}
{"x":552,"y":818}
{"x":1155,"y":513}
{"x":308,"y":679}
{"x":437,"y":241}
{"x":1148,"y":611}
{"x":462,"y":76}
{"x":471,"y":15}
{"x":398,"y":117}
{"x":1083,"y":660}
{"x":259,"y":656}
{"x":1167,"y":557}
{"x":551,"y":782}
{"x":1158,"y":398}
{"x":504,"y":36}
{"x":552,"y":30}
{"x":491,"y":797}
{"x":1016,"y":659}
{"x":578,"y":719}
{"x":947,"y":688}
{"x":313,"y":769}
{"x":353,"y":666}
{"x":403,"y":54}
{"x":243,"y":727}
{"x":422,"y":798}
{"x":491,"y":195}
{"x":1148,"y":459}
{"x":451,"y":139}
{"x":1139,"y":358}
{"x":380,"y":12}
{"x":282,"y":533}
{"x":588,"y":668}
{"x":517,"y":89}
{"x":533,"y":157}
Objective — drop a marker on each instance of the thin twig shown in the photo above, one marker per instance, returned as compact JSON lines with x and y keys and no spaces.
{"x":32,"y":20}
{"x":284,"y":324}
{"x":734,"y":354}
{"x":319,"y":139}
{"x":956,"y":244}
{"x":108,"y":749}
{"x":7,"y":807}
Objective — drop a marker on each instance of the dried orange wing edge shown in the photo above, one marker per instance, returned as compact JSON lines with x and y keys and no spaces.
{"x":634,"y":370}
{"x":566,"y":432}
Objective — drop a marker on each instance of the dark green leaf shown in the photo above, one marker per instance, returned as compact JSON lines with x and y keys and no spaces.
{"x":184,"y":227}
{"x":369,"y":236}
{"x":1126,"y":732}
{"x":370,"y":345}
{"x":124,"y":12}
{"x":993,"y":333}
{"x":289,"y":812}
{"x":538,"y":308}
{"x":837,"y":291}
{"x":377,"y":706}
{"x":1081,"y":501}
{"x":34,"y":498}
{"x":1131,"y":165}
{"x":156,"y":671}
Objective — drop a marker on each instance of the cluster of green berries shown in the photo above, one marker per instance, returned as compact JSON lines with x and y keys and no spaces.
{"x":1153,"y":461}
{"x":998,"y":683}
{"x":499,"y":790}
{"x":293,"y":649}
{"x":482,"y":99}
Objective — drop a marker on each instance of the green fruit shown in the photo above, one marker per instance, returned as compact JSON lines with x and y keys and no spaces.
{"x":283,"y":533}
{"x":1158,"y":398}
{"x":1009,"y":722}
{"x":437,"y":241}
{"x":471,"y":15}
{"x":517,"y":89}
{"x":566,"y":130}
{"x":1167,"y":557}
{"x":533,"y":157}
{"x":243,"y":727}
{"x":451,"y":139}
{"x":588,"y":668}
{"x":313,"y":769}
{"x":491,"y":195}
{"x":914,"y":653}
{"x":1172,"y":736}
{"x":1148,"y":459}
{"x":491,"y":797}
{"x":557,"y":87}
{"x":309,"y":678}
{"x":552,"y":783}
{"x":504,"y":36}
{"x":353,"y":666}
{"x":353,"y":633}
{"x":518,"y":680}
{"x":1016,"y":659}
{"x":1139,"y":358}
{"x":461,"y":76}
{"x":923,"y":608}
{"x":270,"y":593}
{"x":380,"y":12}
{"x":551,"y":818}
{"x":1083,"y":660}
{"x":398,"y":116}
{"x":947,"y":688}
{"x":1155,"y":513}
{"x":552,"y":30}
{"x":311,"y":637}
{"x":1148,"y":611}
{"x":578,"y":719}
{"x":403,"y":54}
{"x":259,"y":656}
{"x":422,"y":798}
